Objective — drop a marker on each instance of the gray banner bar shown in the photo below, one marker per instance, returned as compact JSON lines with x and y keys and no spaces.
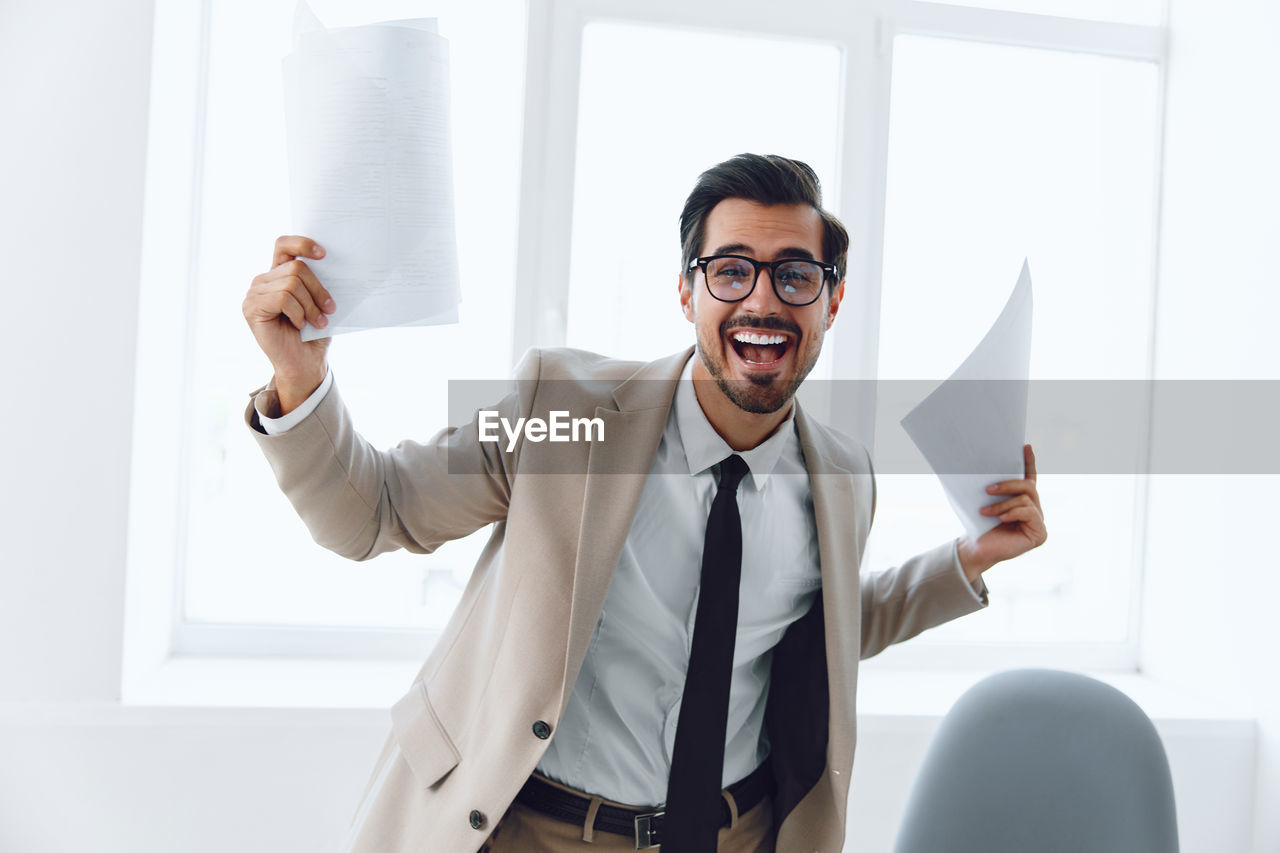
{"x":1098,"y":427}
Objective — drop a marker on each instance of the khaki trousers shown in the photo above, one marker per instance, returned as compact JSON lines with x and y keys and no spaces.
{"x":523,"y":830}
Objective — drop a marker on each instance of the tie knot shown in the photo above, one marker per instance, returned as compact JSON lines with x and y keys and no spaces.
{"x":732,"y":470}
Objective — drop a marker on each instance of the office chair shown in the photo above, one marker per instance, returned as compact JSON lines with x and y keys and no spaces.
{"x":1042,"y":761}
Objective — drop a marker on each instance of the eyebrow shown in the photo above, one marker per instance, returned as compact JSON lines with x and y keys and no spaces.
{"x":744,"y":249}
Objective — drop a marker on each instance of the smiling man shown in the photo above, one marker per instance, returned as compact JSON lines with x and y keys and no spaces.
{"x":660,"y":643}
{"x":757,"y":343}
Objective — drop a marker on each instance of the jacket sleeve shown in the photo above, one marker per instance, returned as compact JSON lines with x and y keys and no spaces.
{"x":359,"y":501}
{"x":925,"y":591}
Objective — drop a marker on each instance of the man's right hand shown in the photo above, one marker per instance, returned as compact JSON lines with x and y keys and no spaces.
{"x":279,"y":304}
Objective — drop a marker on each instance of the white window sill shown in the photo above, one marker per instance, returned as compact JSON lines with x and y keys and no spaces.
{"x":904,"y":697}
{"x":277,"y":682}
{"x":890,"y":698}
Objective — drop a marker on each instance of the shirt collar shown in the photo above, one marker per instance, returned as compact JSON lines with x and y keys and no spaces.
{"x":703,"y":446}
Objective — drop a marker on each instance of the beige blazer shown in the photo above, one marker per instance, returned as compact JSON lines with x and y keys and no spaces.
{"x":463,"y":738}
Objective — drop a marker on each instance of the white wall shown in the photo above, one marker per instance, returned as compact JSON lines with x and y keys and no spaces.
{"x":80,"y":773}
{"x":95,"y":779}
{"x":73,"y":102}
{"x":1214,"y":585}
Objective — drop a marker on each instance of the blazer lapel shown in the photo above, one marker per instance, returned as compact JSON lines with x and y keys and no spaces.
{"x":842,"y":528}
{"x":617,"y":469}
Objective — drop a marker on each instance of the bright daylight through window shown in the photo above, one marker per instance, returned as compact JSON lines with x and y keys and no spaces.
{"x":987,"y":152}
{"x":996,"y":153}
{"x":248,"y":560}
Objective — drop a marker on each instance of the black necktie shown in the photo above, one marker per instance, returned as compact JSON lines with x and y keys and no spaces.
{"x":692,"y":820}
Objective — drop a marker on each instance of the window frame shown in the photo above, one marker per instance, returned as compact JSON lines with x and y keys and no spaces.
{"x":158,"y":638}
{"x":865,"y":34}
{"x":163,"y":652}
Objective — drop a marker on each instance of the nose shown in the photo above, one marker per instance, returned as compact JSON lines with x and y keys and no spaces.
{"x":763,"y":301}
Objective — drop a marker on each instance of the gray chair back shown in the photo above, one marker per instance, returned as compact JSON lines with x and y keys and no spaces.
{"x":1042,"y":761}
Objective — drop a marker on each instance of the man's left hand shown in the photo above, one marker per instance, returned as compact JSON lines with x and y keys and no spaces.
{"x":1022,"y":523}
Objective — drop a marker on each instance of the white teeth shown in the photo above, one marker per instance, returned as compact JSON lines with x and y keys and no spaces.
{"x":746,"y":338}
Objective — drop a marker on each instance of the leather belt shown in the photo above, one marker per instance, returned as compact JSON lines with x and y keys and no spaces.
{"x":645,"y":825}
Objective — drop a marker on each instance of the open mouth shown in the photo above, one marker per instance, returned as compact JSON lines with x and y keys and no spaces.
{"x":760,"y":350}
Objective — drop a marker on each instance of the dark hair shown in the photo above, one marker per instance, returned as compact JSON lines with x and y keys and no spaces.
{"x":763,"y":178}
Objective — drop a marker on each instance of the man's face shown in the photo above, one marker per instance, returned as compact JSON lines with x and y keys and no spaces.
{"x":759,"y":378}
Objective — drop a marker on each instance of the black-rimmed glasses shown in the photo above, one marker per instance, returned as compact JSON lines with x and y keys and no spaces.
{"x":732,"y":278}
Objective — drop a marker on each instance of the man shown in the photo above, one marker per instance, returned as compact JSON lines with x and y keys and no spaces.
{"x":660,"y":643}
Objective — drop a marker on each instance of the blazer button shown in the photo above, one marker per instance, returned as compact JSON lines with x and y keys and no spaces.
{"x":542,"y":730}
{"x":477,"y":819}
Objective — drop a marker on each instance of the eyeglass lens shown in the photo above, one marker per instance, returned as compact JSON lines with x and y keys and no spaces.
{"x":796,"y":281}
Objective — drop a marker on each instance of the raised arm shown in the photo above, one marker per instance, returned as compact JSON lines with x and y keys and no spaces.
{"x":356,"y":500}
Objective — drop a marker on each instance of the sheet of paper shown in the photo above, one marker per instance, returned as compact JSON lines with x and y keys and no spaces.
{"x":371,"y":170}
{"x":971,"y":429}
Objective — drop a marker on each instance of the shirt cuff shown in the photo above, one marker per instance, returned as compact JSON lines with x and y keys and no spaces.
{"x":284,"y":423}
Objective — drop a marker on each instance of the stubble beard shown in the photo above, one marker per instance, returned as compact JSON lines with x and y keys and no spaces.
{"x":758,"y":394}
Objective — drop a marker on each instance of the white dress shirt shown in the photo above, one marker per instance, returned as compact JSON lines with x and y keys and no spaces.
{"x":275,"y":426}
{"x":618,"y":730}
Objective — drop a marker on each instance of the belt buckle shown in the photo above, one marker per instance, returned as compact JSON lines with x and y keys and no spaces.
{"x":645,"y":830}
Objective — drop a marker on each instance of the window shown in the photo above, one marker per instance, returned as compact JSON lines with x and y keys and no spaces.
{"x":951,"y":140}
{"x":647,"y":128}
{"x":246,"y":577}
{"x":996,"y":152}
{"x":961,"y":140}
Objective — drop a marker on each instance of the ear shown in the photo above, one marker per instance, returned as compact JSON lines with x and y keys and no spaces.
{"x":837,"y":293}
{"x":686,"y":296}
